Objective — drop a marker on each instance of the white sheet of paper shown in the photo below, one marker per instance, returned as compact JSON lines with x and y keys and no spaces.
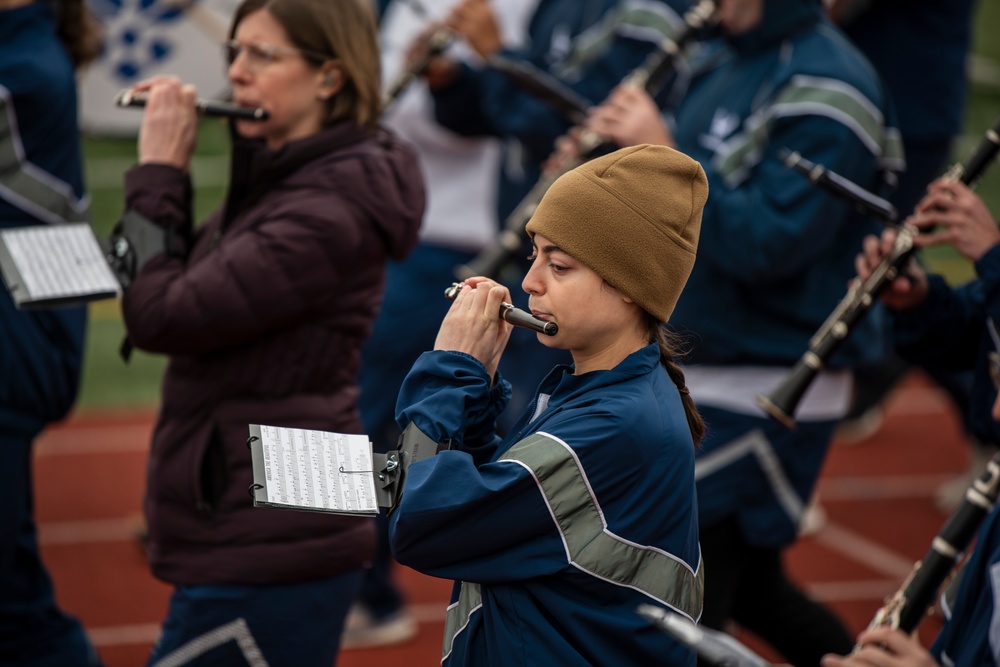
{"x":59,"y":261}
{"x":319,"y":469}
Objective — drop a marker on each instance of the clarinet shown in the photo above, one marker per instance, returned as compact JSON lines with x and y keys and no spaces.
{"x":439,"y":40}
{"x":908,"y":606}
{"x":863,"y":200}
{"x":783,"y":401}
{"x":650,"y":76}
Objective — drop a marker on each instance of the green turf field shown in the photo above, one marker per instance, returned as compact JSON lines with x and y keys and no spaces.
{"x":108,"y":381}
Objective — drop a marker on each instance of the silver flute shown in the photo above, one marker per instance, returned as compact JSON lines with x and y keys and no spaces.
{"x":513,"y":315}
{"x":130,"y":98}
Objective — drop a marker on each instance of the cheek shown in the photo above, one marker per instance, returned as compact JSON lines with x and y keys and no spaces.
{"x":996,"y":408}
{"x":579,"y":323}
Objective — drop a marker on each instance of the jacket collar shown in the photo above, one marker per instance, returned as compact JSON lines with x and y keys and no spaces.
{"x":561,"y":384}
{"x":255,"y":168}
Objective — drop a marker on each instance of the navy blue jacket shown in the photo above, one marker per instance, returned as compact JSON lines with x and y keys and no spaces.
{"x":972,"y":623}
{"x":556,"y":533}
{"x":42,"y":351}
{"x":949,"y":332}
{"x":776,"y":251}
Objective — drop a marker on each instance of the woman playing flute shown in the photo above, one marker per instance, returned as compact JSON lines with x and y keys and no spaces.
{"x":557,"y":532}
{"x":263,"y":310}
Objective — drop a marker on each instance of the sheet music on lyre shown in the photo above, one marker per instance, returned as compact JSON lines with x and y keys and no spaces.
{"x":51,"y":265}
{"x":313,"y":470}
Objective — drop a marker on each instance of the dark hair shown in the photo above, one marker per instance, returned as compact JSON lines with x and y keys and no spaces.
{"x":342,"y":30}
{"x":79,"y":31}
{"x":669,"y":344}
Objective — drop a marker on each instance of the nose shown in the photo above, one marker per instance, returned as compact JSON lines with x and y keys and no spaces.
{"x":532,"y":283}
{"x":239,"y":69}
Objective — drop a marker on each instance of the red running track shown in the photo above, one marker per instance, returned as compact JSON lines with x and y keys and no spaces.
{"x":878,"y":496}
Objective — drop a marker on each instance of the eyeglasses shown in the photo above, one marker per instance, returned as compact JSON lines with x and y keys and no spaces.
{"x":260,"y":56}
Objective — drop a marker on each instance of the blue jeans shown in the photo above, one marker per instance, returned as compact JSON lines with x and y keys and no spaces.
{"x":293,"y":625}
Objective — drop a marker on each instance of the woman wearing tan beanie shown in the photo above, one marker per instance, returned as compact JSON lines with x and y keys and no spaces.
{"x":555,"y":534}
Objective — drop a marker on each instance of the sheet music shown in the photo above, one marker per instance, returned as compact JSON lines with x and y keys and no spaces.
{"x":319,"y":470}
{"x":58,"y":262}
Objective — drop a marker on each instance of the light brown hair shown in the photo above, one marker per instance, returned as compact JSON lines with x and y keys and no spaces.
{"x":341,"y":30}
{"x":79,"y":31}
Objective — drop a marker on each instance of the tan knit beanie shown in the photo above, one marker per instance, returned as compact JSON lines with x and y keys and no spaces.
{"x":632,"y":216}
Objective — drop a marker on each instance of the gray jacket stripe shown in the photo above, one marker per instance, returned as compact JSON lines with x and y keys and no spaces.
{"x":235,"y":631}
{"x":836,"y":99}
{"x":470,"y":598}
{"x":756,"y":444}
{"x":590,"y":546}
{"x":26,"y":186}
{"x":810,"y":95}
{"x":637,"y":19}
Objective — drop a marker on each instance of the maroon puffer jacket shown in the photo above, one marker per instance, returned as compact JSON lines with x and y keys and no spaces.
{"x":263,"y":311}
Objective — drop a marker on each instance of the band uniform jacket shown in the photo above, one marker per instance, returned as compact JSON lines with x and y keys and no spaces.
{"x":555,"y":534}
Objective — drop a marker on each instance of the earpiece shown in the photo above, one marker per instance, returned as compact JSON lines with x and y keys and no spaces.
{"x":330,"y":79}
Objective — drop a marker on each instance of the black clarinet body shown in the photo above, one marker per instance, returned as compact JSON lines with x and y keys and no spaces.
{"x":437,"y":42}
{"x":651,"y":77}
{"x":863,"y":200}
{"x":909,"y":605}
{"x":781,"y":404}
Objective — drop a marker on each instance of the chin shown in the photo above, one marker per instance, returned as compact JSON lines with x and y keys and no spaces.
{"x":555,"y":342}
{"x":250,"y":129}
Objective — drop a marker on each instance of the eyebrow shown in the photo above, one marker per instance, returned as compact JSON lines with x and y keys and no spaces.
{"x":550,"y":248}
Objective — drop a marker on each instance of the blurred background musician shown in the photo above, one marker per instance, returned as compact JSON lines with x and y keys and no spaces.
{"x":263,"y":311}
{"x":924,"y":69}
{"x":461,"y":175}
{"x":41,"y":356}
{"x":465,"y":162}
{"x":956,"y":328}
{"x":590,"y":46}
{"x":775,"y":257}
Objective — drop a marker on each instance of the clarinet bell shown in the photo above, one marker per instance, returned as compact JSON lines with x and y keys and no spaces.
{"x":776,"y":411}
{"x":782,"y":403}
